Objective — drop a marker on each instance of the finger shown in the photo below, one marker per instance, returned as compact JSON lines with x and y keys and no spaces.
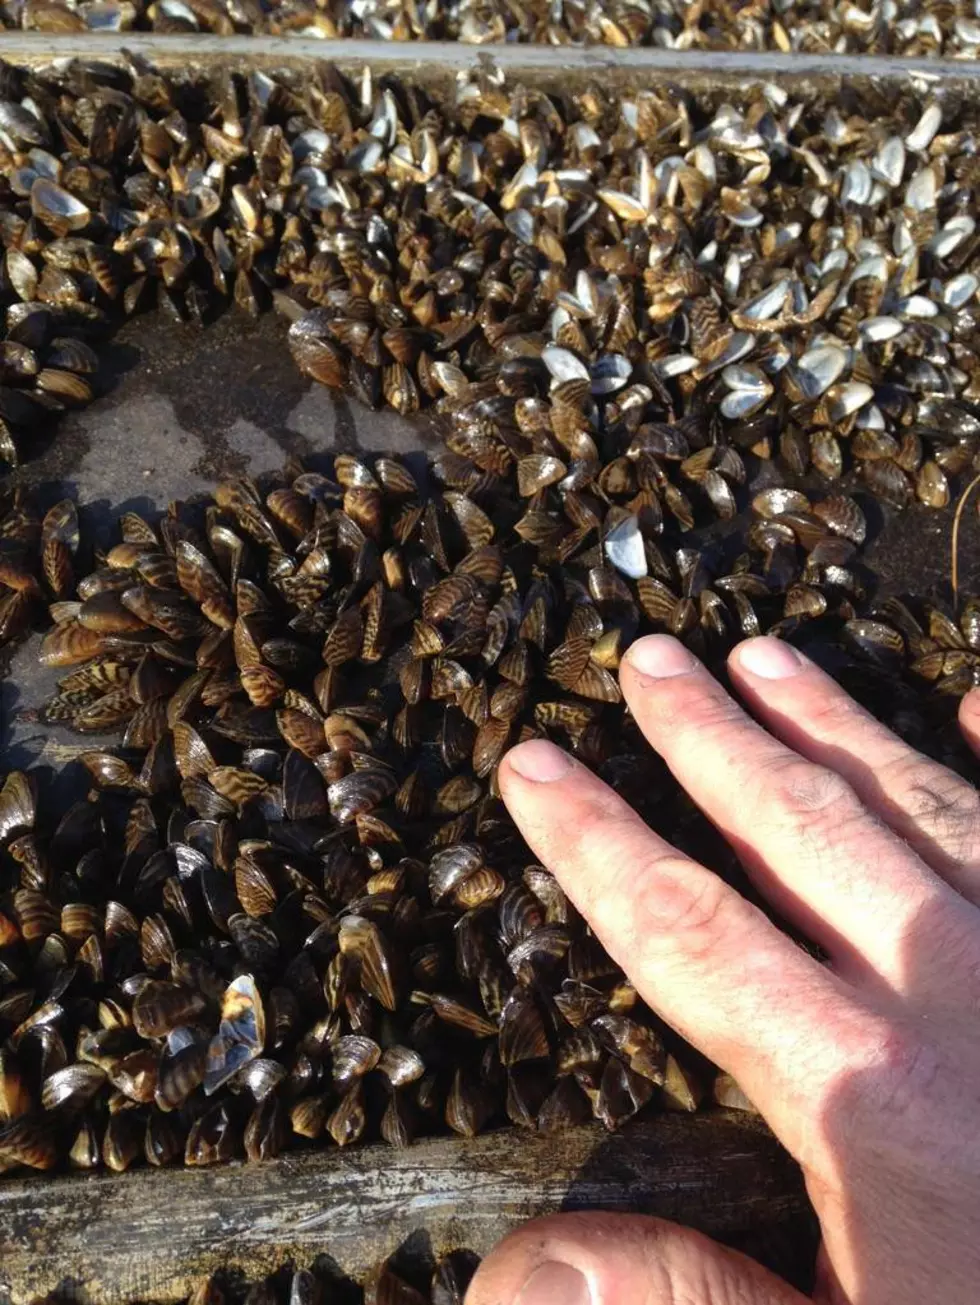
{"x":803,"y":833}
{"x":970,"y":719}
{"x":604,"y":1259}
{"x":701,"y":955}
{"x":931,"y":808}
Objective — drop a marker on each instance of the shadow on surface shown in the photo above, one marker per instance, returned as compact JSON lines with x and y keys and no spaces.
{"x":625,"y":1173}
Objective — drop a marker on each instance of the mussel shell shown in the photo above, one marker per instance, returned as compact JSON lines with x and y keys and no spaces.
{"x":160,"y":1007}
{"x":875,"y":640}
{"x":72,"y":1088}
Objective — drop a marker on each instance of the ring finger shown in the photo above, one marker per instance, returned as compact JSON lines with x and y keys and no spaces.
{"x":802,"y":831}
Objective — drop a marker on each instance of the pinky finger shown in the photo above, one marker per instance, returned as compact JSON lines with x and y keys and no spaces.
{"x":970,"y":719}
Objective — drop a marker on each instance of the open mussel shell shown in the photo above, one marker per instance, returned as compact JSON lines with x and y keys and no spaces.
{"x":57,"y":208}
{"x":241,"y":1034}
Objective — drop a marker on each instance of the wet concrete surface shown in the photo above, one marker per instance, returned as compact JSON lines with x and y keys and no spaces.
{"x":181,"y":407}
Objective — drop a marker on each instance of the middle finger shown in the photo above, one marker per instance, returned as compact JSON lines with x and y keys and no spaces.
{"x":812,"y":846}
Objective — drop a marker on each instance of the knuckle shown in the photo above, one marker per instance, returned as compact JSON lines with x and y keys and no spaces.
{"x":834,"y":713}
{"x":683,"y":902}
{"x":815,"y":790}
{"x":890,"y":1072}
{"x":601,"y":836}
{"x":944,"y":805}
{"x":609,"y":847}
{"x":812,"y":805}
{"x":695,"y":710}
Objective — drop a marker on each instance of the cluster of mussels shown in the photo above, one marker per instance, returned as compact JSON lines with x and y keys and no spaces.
{"x":321,"y":1285}
{"x":36,"y":559}
{"x":902,"y":27}
{"x":622,"y":297}
{"x":654,"y":273}
{"x":292,"y":906}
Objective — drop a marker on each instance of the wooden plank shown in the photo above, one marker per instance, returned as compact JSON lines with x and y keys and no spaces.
{"x":439,"y":62}
{"x":151,"y":1234}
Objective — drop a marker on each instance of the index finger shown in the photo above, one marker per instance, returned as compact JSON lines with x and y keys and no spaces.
{"x":702,"y":956}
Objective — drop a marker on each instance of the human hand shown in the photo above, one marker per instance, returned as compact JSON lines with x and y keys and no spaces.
{"x":867,"y":1068}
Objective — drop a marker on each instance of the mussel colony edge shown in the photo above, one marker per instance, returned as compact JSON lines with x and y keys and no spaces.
{"x":292,"y":907}
{"x":894,"y":27}
{"x":322,"y":1283}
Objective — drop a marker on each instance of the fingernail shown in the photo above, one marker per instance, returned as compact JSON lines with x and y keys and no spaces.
{"x":555,"y":1284}
{"x":770,"y":659}
{"x":661,"y":656}
{"x":539,"y":760}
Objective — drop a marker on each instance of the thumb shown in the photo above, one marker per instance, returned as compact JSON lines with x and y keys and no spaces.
{"x":603,"y":1259}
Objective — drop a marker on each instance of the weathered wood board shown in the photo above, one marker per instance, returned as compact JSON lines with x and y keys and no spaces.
{"x":151,"y":1234}
{"x":439,"y":62}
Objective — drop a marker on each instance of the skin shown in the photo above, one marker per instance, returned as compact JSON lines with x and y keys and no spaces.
{"x":867,"y":1067}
